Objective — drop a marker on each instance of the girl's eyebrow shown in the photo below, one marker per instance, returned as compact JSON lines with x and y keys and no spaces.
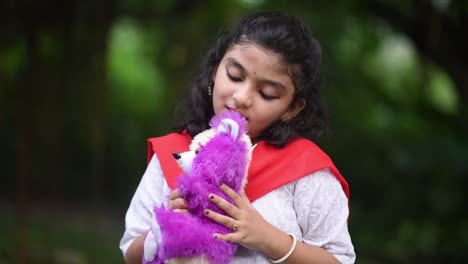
{"x":235,"y":63}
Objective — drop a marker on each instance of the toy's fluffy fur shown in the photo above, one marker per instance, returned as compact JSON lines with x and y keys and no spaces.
{"x":223,"y":157}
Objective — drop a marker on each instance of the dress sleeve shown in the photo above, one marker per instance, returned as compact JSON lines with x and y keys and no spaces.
{"x":322,"y":211}
{"x":152,"y":191}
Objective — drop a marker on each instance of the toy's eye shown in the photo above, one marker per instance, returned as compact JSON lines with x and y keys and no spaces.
{"x":197,"y":150}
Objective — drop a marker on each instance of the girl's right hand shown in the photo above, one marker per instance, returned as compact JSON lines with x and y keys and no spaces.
{"x":177,"y":203}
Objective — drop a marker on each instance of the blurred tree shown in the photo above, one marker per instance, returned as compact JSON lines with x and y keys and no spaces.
{"x":437,"y":30}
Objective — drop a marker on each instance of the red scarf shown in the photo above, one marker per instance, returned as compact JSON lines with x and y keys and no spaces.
{"x":270,"y":168}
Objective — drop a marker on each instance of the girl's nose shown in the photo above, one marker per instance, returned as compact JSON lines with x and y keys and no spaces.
{"x":242,"y":98}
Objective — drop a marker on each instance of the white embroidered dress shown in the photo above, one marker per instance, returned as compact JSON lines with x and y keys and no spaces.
{"x":314,"y":208}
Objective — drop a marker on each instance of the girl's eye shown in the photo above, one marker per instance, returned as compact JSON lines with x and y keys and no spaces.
{"x":266,"y":96}
{"x":233,"y":78}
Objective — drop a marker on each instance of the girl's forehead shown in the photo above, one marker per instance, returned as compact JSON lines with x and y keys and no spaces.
{"x":249,"y":54}
{"x":259,"y":64}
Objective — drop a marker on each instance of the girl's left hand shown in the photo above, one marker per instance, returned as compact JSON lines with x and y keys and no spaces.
{"x":249,"y":228}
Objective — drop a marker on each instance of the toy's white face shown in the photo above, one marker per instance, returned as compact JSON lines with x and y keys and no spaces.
{"x":253,"y":82}
{"x":186,"y":159}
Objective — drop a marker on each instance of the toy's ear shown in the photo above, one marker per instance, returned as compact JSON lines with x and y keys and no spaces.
{"x":228,"y":126}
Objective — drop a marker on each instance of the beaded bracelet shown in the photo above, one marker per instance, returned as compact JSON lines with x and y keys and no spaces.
{"x":285,"y":257}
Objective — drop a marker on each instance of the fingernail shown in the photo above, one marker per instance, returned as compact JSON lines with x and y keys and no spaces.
{"x":207,"y":212}
{"x":211,"y":196}
{"x":215,"y":236}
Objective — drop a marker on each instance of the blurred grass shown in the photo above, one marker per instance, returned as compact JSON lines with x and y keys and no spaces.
{"x":59,"y":235}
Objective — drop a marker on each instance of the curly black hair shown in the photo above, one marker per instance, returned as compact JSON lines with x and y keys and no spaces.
{"x":285,"y":36}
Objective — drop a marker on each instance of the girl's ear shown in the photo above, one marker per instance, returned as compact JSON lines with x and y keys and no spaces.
{"x":293,"y":110}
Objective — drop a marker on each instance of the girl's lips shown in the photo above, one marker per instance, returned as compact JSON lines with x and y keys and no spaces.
{"x":234,"y":109}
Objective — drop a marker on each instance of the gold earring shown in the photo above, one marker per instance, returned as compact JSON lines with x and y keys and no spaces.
{"x":210,"y":90}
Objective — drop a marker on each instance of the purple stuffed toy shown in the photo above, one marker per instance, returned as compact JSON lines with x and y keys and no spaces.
{"x":220,"y":155}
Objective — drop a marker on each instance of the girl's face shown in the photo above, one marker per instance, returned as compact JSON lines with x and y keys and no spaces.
{"x":255,"y":83}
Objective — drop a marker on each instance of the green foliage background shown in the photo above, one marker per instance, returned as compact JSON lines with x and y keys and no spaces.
{"x":84,"y":84}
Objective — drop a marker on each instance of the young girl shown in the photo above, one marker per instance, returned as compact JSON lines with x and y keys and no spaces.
{"x":295,"y":206}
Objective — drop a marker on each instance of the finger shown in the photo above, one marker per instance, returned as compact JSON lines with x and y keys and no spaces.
{"x":231,"y":237}
{"x":232,"y":194}
{"x":244,"y":197}
{"x":181,"y":211}
{"x":226,"y":206}
{"x":178,"y":203}
{"x":222,"y":219}
{"x":174,"y":194}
